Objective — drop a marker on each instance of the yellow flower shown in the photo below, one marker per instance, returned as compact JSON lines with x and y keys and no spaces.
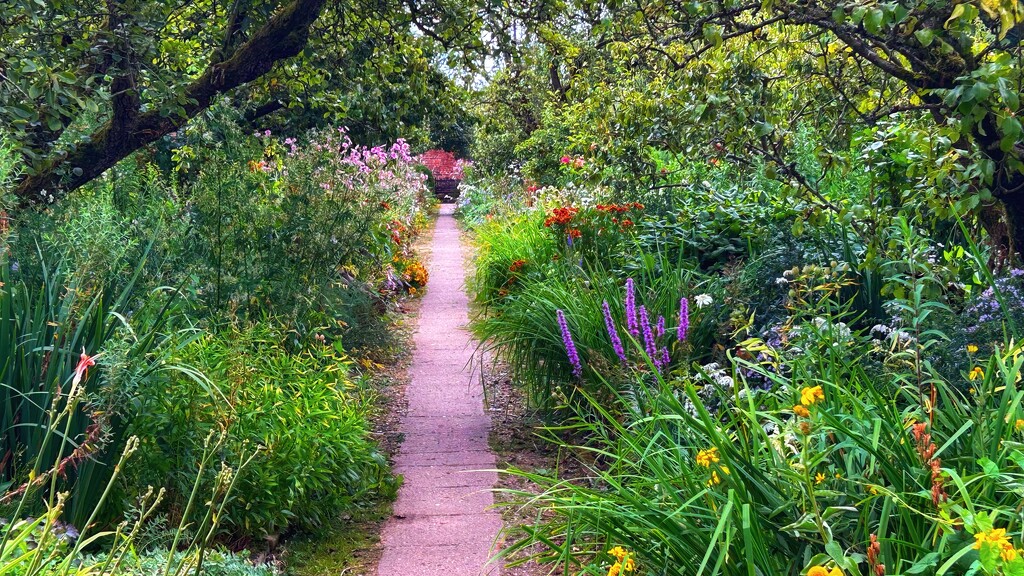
{"x":615,"y":569}
{"x":811,"y":395}
{"x":619,"y":553}
{"x":819,"y":478}
{"x":799,"y":410}
{"x":838,"y":476}
{"x":1019,"y":424}
{"x":873,"y":489}
{"x":972,"y":348}
{"x":628,"y":565}
{"x":996,"y":537}
{"x":972,"y":391}
{"x":706,"y":457}
{"x":817,"y":571}
{"x":715,"y":480}
{"x":835,"y":572}
{"x":976,"y":373}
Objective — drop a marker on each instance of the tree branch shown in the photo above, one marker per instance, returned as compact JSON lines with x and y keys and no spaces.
{"x":283,"y":36}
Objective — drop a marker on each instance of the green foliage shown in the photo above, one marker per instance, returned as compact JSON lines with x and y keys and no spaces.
{"x":303,"y":412}
{"x":702,"y":82}
{"x":780,"y":491}
{"x":47,"y":545}
{"x":207,"y":315}
{"x":526,"y":271}
{"x":45,"y":330}
{"x":215,"y":563}
{"x":309,"y":233}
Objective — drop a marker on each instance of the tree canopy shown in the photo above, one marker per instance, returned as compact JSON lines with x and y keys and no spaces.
{"x":85,"y":85}
{"x":740,"y":78}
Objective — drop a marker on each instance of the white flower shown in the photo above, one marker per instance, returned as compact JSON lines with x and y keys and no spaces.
{"x":881,"y":329}
{"x":703,"y":300}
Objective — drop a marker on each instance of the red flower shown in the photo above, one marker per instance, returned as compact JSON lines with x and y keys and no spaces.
{"x":575,"y":233}
{"x":627,"y":223}
{"x":517,"y":265}
{"x":82,"y":370}
{"x":561,"y":216}
{"x":566,"y":159}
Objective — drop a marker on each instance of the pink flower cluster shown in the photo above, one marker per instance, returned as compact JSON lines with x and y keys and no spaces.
{"x":577,"y":162}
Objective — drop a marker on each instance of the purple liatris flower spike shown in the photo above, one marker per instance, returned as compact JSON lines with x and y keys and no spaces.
{"x":612,"y":332}
{"x":684,"y":319}
{"x":649,"y":345}
{"x":665,"y":359}
{"x":570,"y":346}
{"x":631,"y":325}
{"x":659,"y":328}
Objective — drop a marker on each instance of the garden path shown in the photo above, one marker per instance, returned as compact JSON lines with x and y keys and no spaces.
{"x":441,"y":522}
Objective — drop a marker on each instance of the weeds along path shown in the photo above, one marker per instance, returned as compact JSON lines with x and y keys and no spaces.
{"x":441,"y":523}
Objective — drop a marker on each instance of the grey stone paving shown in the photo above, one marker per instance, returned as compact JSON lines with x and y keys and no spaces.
{"x":441,"y":523}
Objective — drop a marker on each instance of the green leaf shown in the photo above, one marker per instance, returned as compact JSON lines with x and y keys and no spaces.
{"x":925,"y":36}
{"x":1008,"y":93}
{"x":873,"y":20}
{"x":835,"y":551}
{"x":1014,"y":567}
{"x":958,"y":11}
{"x":762,"y":129}
{"x":991,"y":468}
{"x":989,"y":556}
{"x":924,"y":565}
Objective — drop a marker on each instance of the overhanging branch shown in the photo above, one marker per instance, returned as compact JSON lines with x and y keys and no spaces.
{"x":283,"y":36}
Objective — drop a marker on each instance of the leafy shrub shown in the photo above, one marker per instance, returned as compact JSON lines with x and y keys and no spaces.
{"x":302,"y":410}
{"x":47,"y":545}
{"x":279,"y":226}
